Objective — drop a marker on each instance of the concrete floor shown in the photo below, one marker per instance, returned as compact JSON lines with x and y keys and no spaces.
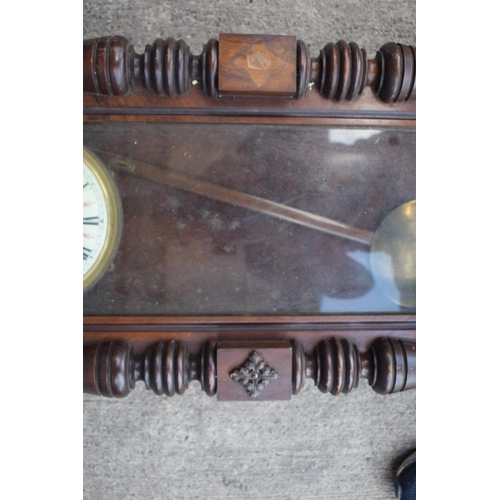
{"x":316,"y":446}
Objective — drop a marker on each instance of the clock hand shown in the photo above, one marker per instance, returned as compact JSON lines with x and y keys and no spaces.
{"x":250,"y":202}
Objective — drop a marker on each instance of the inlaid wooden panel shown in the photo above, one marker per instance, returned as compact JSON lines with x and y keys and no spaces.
{"x":257,"y":65}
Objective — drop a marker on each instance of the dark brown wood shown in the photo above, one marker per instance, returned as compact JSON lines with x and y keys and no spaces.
{"x":111,"y":67}
{"x":257,"y":65}
{"x":303,"y":69}
{"x":393,"y":366}
{"x":234,"y":357}
{"x":252,"y":65}
{"x":336,"y":365}
{"x":196,"y":106}
{"x":370,"y":321}
{"x":112,"y":368}
{"x":282,"y":120}
{"x":396,"y":72}
{"x":193,"y":331}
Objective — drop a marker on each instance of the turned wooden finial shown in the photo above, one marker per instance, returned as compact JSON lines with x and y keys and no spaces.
{"x":112,"y":368}
{"x":392,"y":365}
{"x":111,"y":67}
{"x":342,"y":71}
{"x":336,"y":366}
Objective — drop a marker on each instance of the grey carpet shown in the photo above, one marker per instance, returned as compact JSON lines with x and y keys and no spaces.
{"x":190,"y":446}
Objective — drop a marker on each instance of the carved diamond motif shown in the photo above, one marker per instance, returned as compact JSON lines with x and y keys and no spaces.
{"x":254,"y":375}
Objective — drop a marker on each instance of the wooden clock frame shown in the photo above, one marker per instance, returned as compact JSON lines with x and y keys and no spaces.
{"x":258,"y":79}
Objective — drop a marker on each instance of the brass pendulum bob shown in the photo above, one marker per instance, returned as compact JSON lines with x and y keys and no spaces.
{"x":393,"y":255}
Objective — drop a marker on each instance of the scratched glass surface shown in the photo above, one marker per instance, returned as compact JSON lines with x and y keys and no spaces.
{"x":185,"y":250}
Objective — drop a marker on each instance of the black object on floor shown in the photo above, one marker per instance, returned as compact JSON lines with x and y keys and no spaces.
{"x":406,"y":478}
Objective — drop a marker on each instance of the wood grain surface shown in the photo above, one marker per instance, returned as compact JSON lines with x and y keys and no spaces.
{"x":257,"y":65}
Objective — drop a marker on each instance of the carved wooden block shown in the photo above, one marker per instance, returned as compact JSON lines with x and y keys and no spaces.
{"x":257,"y":65}
{"x":254,"y":371}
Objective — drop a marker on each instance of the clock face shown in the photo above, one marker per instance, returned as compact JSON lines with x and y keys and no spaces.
{"x":101,"y":219}
{"x":95,"y":218}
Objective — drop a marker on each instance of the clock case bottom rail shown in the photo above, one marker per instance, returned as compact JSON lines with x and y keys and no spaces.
{"x":167,"y":357}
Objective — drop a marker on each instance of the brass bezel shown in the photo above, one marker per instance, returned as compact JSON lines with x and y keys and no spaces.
{"x":115,"y":220}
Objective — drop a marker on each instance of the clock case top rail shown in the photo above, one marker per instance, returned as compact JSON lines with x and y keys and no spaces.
{"x":168,"y":83}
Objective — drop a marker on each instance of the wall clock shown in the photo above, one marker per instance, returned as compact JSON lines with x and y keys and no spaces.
{"x":260,"y":207}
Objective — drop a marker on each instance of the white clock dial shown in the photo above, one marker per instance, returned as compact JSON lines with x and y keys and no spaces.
{"x":95,"y":218}
{"x":102,"y":219}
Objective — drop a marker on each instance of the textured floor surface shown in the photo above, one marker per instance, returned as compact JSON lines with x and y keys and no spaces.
{"x":369,"y":23}
{"x":189,"y":447}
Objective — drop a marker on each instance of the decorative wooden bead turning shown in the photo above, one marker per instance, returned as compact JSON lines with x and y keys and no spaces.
{"x":336,"y":366}
{"x":112,"y":368}
{"x":391,"y":365}
{"x":342,"y":71}
{"x":111,"y":67}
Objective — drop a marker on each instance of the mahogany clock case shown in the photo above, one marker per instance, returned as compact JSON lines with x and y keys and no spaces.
{"x":193,"y":272}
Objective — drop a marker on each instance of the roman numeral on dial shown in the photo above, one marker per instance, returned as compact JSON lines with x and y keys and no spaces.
{"x":86,"y":252}
{"x":92,"y":221}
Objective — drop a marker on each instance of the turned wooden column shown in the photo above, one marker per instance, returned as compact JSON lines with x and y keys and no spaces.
{"x":336,"y":366}
{"x":111,"y":67}
{"x":112,"y":368}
